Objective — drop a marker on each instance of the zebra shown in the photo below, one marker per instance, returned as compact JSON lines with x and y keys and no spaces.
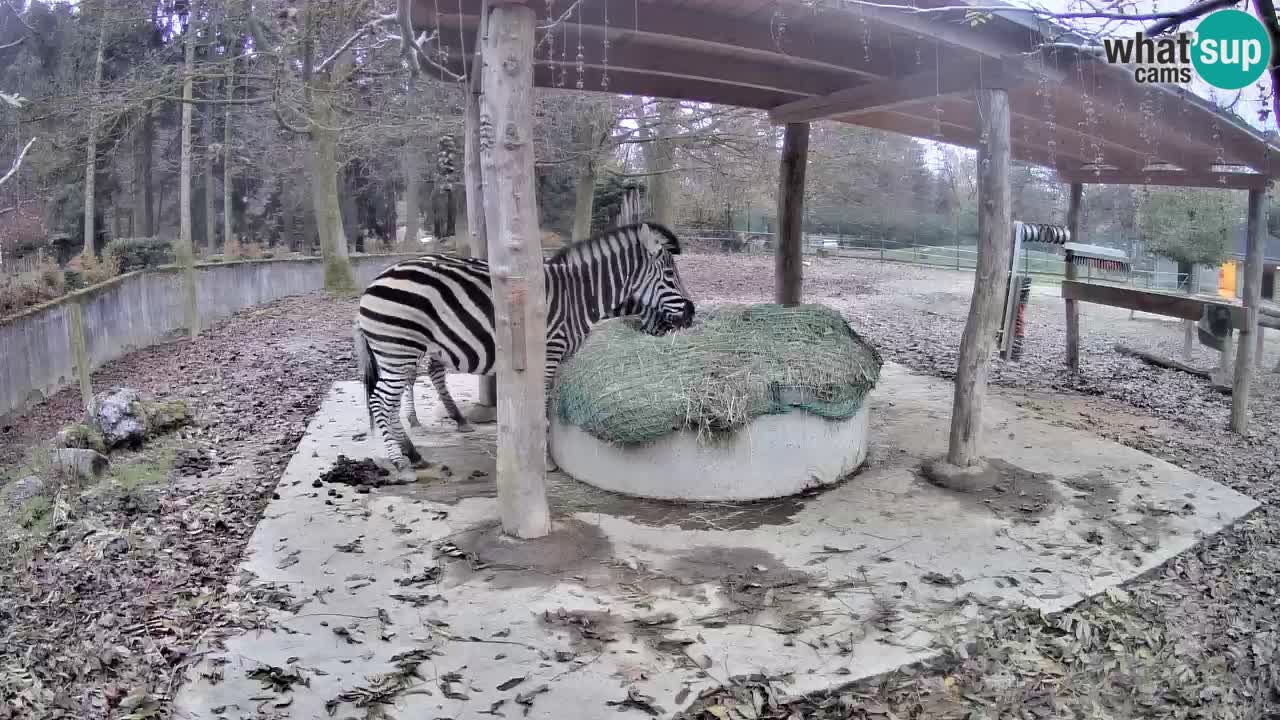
{"x":442,"y":307}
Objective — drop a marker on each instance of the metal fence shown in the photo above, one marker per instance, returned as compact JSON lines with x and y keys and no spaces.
{"x":1046,"y":266}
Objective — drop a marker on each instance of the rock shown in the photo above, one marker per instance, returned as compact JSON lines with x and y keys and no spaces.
{"x":17,"y":494}
{"x":120,"y":416}
{"x":80,"y":436}
{"x":165,"y":416}
{"x":78,"y":462}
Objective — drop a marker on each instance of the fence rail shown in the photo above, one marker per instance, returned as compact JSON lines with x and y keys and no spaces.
{"x":1046,"y":265}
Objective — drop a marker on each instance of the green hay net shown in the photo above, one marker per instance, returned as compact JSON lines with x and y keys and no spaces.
{"x":736,"y":363}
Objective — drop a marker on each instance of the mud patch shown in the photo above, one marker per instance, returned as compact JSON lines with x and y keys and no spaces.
{"x":754,"y":581}
{"x":1094,"y":493}
{"x":1015,"y":492}
{"x":588,"y":630}
{"x":570,"y":496}
{"x":573,"y":550}
{"x":453,"y":489}
{"x":358,"y":473}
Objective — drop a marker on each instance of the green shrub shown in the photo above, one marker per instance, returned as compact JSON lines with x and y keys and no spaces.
{"x":138,"y":253}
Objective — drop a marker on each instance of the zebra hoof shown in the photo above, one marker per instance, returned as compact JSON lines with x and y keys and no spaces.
{"x":413,"y":423}
{"x":403,"y":476}
{"x":465,"y":427}
{"x":551,"y":465}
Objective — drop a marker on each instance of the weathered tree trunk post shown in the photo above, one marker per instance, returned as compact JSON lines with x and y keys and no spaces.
{"x":80,"y":351}
{"x":994,"y":248}
{"x":412,"y":163}
{"x":515,"y":256}
{"x":186,"y":249}
{"x":228,"y":169}
{"x":210,"y":211}
{"x":91,"y":146}
{"x":788,"y":267}
{"x":1073,"y":308}
{"x":585,"y":193}
{"x":485,"y":410}
{"x":1252,"y":299}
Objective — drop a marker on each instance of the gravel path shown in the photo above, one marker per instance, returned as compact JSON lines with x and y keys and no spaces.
{"x":101,"y":634}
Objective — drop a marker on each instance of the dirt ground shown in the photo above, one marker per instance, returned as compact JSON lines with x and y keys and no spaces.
{"x":93,"y":631}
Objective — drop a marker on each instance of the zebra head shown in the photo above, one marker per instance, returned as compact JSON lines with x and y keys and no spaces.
{"x":657,"y":293}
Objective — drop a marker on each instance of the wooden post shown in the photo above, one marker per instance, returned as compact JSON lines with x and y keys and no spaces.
{"x":1252,"y":299}
{"x":789,"y":268}
{"x":515,"y":256}
{"x":79,"y":351}
{"x":1073,"y":308}
{"x":994,"y":249}
{"x":485,"y":410}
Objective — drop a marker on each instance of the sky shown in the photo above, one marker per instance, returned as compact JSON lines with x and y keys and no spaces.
{"x":1250,"y":103}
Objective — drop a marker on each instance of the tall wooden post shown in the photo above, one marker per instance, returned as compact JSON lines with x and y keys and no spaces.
{"x":1252,"y":299}
{"x":789,"y":268}
{"x":1073,"y":308}
{"x":994,"y":248}
{"x":515,"y":257}
{"x":485,"y":410}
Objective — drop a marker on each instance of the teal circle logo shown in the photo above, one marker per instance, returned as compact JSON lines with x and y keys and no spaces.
{"x":1232,"y":49}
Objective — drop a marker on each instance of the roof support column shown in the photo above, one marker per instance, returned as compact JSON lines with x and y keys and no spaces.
{"x":485,"y":410}
{"x":515,"y":259}
{"x":1073,"y":308}
{"x":789,"y":268}
{"x":995,"y":243}
{"x":1252,"y":299}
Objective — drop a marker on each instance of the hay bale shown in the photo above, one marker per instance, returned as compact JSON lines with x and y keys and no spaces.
{"x":736,"y":363}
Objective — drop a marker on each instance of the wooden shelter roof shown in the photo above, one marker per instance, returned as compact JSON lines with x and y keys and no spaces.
{"x":884,"y":67}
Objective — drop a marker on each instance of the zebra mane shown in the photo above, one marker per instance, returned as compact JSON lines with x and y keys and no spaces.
{"x":668,"y":239}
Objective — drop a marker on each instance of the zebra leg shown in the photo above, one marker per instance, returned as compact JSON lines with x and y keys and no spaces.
{"x":436,"y":371}
{"x":549,"y":374}
{"x":406,"y":401}
{"x":385,"y":406}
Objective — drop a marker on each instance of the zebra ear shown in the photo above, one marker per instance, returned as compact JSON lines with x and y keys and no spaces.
{"x":657,"y":237}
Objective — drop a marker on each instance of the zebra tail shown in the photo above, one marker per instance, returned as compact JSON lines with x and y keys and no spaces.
{"x":368,"y":368}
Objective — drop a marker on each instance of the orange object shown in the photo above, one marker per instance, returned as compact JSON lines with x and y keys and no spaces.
{"x":1227,"y":279}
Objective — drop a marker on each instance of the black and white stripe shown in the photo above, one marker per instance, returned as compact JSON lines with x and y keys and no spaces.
{"x":1042,"y":233}
{"x":441,"y":307}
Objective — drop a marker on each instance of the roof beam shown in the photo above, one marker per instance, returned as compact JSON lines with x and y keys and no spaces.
{"x":683,"y":27}
{"x":1025,"y":148}
{"x":1170,"y":178}
{"x":1174,"y":112}
{"x":897,"y":91}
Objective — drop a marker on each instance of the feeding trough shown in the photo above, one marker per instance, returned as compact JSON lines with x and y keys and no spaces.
{"x":752,"y":402}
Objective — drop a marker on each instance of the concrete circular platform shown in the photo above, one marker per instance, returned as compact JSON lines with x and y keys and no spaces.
{"x":774,"y":456}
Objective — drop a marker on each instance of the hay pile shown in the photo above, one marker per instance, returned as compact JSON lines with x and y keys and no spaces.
{"x":736,"y":363}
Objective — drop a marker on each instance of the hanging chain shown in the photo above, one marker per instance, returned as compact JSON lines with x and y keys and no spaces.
{"x":581,"y":60}
{"x":604,"y":79}
{"x":551,"y":39}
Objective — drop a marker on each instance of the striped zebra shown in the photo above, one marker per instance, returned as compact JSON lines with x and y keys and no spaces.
{"x":1042,"y":233}
{"x":442,"y":307}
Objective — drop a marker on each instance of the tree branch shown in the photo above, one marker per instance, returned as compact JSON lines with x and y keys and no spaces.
{"x":405,"y":21}
{"x":1188,"y":13}
{"x":1267,"y":14}
{"x":17,"y":163}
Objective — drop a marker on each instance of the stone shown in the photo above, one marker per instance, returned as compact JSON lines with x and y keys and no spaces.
{"x":120,"y":416}
{"x":17,"y":494}
{"x":78,"y":462}
{"x":80,"y":436}
{"x":165,"y":416}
